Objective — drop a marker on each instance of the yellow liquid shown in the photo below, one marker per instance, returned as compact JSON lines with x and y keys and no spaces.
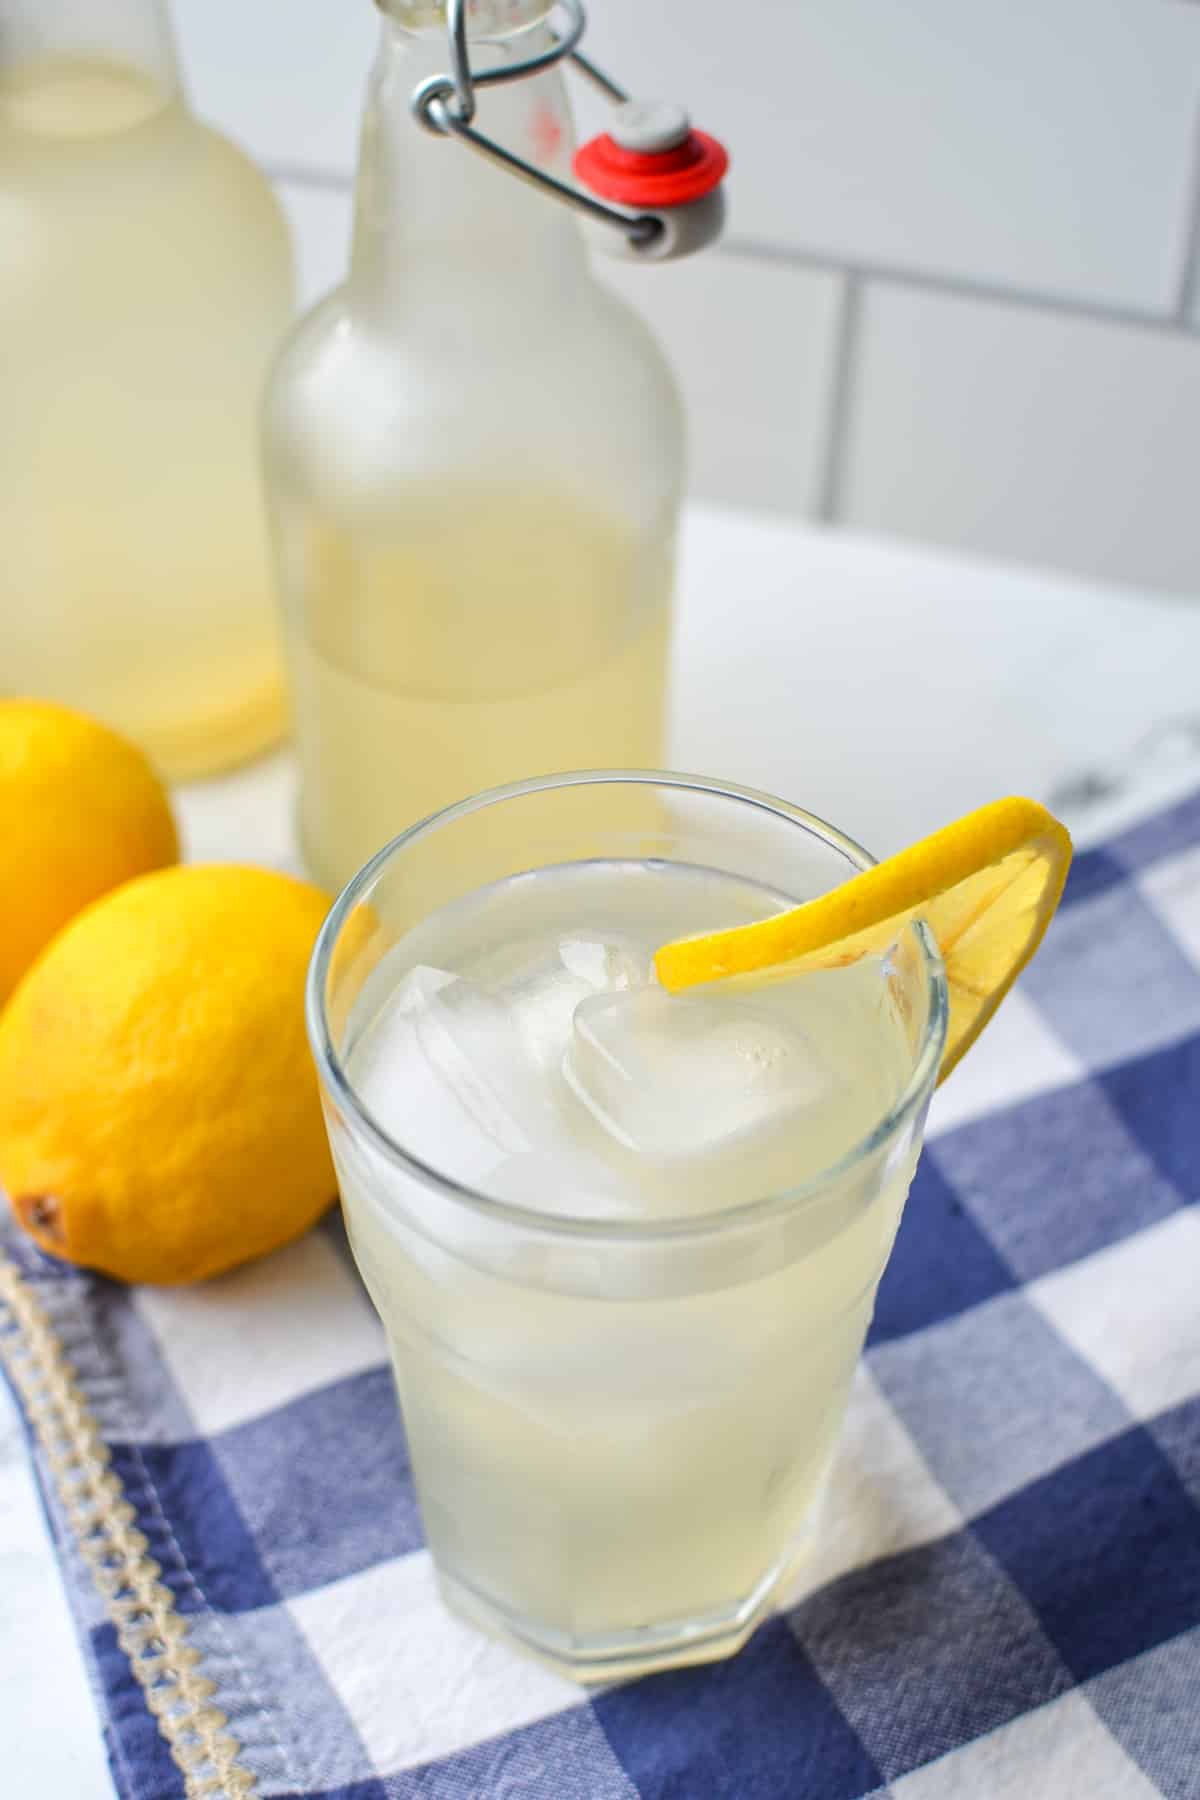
{"x":615,"y":1467}
{"x":488,"y":636}
{"x":145,"y":277}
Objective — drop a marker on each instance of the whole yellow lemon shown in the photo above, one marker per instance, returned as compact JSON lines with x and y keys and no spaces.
{"x":81,"y":811}
{"x":159,"y":1114}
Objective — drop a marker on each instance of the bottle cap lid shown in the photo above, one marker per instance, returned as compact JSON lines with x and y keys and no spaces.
{"x":651,"y":158}
{"x":650,"y":126}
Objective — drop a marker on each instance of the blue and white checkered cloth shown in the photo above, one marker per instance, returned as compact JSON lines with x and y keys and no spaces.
{"x":1005,"y":1600}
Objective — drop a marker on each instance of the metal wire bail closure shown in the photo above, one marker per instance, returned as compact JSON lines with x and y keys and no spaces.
{"x":677,"y":174}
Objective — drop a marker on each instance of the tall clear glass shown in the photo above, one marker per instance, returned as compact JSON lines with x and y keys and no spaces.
{"x":145,"y":279}
{"x":474,"y":458}
{"x":618,"y":1427}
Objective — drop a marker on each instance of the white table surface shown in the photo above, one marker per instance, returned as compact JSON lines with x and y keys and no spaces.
{"x":887,"y":688}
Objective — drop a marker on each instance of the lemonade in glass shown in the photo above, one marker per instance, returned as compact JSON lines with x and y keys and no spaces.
{"x":625,"y":1243}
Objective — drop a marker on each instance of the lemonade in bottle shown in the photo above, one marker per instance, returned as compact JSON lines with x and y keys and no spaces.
{"x":474,"y":456}
{"x":145,"y":277}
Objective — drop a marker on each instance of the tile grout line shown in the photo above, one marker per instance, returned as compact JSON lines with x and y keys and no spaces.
{"x":841,"y":398}
{"x":1189,"y":274}
{"x":1173,"y":323}
{"x":307,"y":175}
{"x":954,"y":286}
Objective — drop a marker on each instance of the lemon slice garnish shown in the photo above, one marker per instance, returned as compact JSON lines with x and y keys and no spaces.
{"x":987,"y":886}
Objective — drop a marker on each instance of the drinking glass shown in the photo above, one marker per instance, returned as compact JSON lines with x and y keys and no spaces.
{"x":618,"y":1428}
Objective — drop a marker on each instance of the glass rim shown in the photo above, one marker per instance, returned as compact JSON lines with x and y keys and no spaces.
{"x":595,"y":1228}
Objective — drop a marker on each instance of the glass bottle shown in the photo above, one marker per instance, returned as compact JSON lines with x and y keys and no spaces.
{"x":145,"y":278}
{"x":474,"y":459}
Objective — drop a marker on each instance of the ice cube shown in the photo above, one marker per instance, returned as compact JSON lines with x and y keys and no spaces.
{"x":542,"y":995}
{"x":470,"y":1038}
{"x":444,"y":1071}
{"x":418,"y":987}
{"x":683,"y":1075}
{"x":609,"y":965}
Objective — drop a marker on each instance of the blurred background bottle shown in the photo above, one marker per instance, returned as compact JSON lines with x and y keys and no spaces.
{"x":145,"y":277}
{"x":474,"y":459}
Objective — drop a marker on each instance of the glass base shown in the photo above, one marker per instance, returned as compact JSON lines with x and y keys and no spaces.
{"x":645,"y":1650}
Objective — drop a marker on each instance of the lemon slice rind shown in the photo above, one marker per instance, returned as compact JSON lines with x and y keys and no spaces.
{"x":986,"y":885}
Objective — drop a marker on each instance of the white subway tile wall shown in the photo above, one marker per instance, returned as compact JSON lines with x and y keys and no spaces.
{"x":320,"y":222}
{"x":755,"y":359}
{"x":1026,"y":433}
{"x":283,"y":77}
{"x":1043,"y":143}
{"x":960,"y":294}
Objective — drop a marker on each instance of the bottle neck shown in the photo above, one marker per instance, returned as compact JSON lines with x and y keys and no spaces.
{"x":133,"y":34}
{"x":437,"y":228}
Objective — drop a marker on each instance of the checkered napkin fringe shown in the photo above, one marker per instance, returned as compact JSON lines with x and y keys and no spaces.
{"x":1004,"y":1600}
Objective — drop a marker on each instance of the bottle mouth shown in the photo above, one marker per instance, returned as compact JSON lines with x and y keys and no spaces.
{"x":485,"y":18}
{"x":62,"y":95}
